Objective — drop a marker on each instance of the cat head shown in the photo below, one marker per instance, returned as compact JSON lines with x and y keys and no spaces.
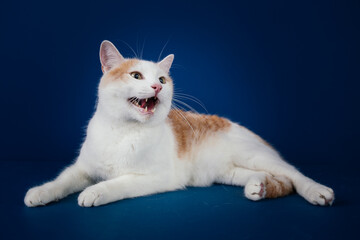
{"x":134,"y":89}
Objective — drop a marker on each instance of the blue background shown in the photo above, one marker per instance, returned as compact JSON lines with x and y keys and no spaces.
{"x":287,"y":70}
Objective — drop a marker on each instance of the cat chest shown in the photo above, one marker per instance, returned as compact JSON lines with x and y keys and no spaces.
{"x":112,"y":156}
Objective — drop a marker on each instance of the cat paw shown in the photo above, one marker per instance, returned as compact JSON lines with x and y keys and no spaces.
{"x":38,"y":196}
{"x":255,"y":189}
{"x":93,"y":196}
{"x":318,"y":194}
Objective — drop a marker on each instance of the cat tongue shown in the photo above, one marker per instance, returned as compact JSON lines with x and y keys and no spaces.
{"x":150,"y":104}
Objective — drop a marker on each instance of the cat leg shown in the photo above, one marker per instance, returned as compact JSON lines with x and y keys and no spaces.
{"x":272,"y":163}
{"x":258,"y":184}
{"x":126,"y":186}
{"x":71,"y":180}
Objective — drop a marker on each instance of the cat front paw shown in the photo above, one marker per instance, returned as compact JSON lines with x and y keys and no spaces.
{"x":93,"y":196}
{"x":318,"y":194}
{"x":39,"y":196}
{"x":255,"y":189}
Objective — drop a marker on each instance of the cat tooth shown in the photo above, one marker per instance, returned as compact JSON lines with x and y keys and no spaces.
{"x":153,"y":110}
{"x":146,"y":100}
{"x":146,"y":109}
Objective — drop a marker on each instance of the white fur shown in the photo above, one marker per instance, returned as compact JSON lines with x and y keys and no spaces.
{"x":126,"y":154}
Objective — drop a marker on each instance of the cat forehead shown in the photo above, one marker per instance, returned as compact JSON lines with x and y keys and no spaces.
{"x":146,"y":67}
{"x":118,"y":73}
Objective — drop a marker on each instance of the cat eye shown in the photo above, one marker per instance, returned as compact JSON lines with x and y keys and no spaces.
{"x":136,"y":75}
{"x":162,"y":80}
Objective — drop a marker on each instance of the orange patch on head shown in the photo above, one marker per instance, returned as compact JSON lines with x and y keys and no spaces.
{"x":190,"y":128}
{"x":116,"y":73}
{"x":278,"y":187}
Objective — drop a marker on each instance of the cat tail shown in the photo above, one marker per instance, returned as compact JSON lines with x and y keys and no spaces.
{"x":278,"y":186}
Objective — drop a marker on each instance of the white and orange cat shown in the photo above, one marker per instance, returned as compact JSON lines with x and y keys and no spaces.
{"x":137,"y":145}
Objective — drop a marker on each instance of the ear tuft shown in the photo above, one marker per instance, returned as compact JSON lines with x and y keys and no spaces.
{"x":165,"y":64}
{"x":109,"y":56}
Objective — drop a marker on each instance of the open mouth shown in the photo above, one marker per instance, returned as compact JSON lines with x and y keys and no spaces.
{"x":146,"y":105}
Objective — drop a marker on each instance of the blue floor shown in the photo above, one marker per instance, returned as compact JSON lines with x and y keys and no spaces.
{"x":217,"y":212}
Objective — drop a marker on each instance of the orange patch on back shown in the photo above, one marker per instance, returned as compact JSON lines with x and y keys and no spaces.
{"x":116,"y":73}
{"x":190,"y":128}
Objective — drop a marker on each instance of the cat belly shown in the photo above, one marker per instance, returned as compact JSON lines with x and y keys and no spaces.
{"x":205,"y":163}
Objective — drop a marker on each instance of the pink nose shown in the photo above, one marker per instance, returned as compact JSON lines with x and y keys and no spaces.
{"x":157,"y":88}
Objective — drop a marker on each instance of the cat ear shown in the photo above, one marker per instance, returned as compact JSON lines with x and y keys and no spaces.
{"x":165,"y":64}
{"x":109,"y":56}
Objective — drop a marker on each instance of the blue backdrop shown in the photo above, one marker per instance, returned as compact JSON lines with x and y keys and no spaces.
{"x":287,"y":70}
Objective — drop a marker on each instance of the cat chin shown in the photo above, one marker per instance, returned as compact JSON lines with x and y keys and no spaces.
{"x":140,"y":115}
{"x":147,"y":118}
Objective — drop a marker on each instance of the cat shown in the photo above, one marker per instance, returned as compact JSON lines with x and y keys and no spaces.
{"x":137,"y":145}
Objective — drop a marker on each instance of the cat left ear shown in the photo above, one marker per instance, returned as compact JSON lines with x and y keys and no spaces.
{"x":165,"y":64}
{"x":109,"y":56}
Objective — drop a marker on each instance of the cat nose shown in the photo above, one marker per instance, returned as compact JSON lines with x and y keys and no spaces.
{"x":157,"y":87}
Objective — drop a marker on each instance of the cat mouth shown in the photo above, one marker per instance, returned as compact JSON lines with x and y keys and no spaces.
{"x":146,"y":105}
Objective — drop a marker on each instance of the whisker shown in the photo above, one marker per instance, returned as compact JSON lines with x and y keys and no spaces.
{"x":178,"y":90}
{"x":130,"y":48}
{"x":137,"y":44}
{"x":134,"y":100}
{"x":186,"y":105}
{"x":178,"y":66}
{"x":180,"y":108}
{"x":142,"y":50}
{"x":186,"y":120}
{"x":163,"y":49}
{"x":192,"y":98}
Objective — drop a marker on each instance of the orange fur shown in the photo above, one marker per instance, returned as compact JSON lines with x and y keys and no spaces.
{"x":190,"y":128}
{"x":278,"y":186}
{"x":116,"y":72}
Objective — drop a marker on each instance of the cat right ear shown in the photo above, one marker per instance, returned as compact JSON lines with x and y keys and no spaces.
{"x":109,"y":56}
